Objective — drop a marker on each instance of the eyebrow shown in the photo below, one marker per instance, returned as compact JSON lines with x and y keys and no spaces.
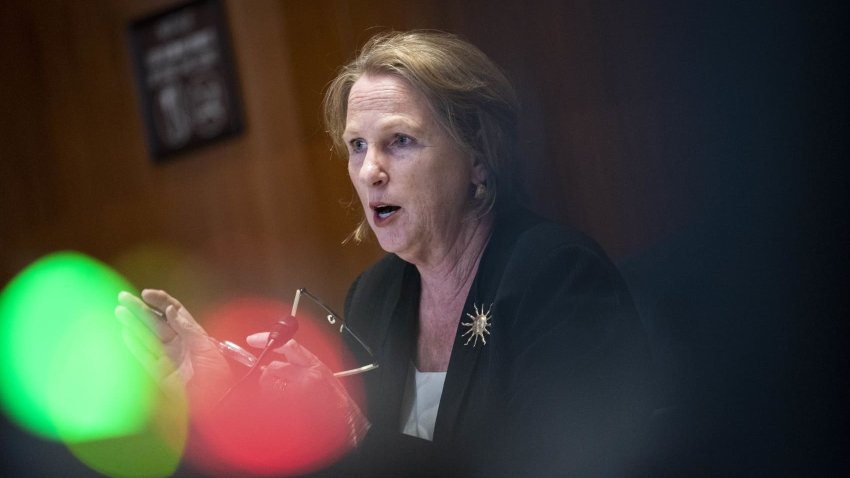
{"x":393,"y":123}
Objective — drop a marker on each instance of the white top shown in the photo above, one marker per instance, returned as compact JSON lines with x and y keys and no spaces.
{"x":421,"y":400}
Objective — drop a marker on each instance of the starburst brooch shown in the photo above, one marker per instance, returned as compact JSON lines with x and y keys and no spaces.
{"x":478,"y":326}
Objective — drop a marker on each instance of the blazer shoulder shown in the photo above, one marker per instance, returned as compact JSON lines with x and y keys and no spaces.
{"x":545,"y":238}
{"x":369,"y":294}
{"x":554,"y":254}
{"x":530,"y":234}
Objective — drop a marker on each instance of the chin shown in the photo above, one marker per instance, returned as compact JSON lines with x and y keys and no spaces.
{"x":388,"y":245}
{"x":391,"y":243}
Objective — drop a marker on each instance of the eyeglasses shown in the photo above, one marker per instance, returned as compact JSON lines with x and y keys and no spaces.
{"x":332,"y":319}
{"x":242,"y":356}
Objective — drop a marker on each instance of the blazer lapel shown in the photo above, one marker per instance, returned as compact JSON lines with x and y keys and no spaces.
{"x":467,"y":358}
{"x":462,"y":365}
{"x":467,"y":363}
{"x":396,"y":351}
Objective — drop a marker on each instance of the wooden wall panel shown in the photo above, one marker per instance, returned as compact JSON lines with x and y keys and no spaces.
{"x":244,"y":216}
{"x":266,"y":211}
{"x":586,"y":74}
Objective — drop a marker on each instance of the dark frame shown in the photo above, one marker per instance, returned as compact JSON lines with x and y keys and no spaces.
{"x":185,"y":78}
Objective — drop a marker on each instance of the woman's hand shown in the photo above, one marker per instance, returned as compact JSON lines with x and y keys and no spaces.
{"x":185,"y":356}
{"x":302,"y":374}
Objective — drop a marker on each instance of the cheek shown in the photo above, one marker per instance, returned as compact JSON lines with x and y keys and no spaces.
{"x":352,"y":176}
{"x":450,"y":189}
{"x":438,"y":203}
{"x":362,"y":196}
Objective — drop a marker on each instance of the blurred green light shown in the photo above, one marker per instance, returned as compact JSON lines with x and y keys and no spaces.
{"x":66,"y":373}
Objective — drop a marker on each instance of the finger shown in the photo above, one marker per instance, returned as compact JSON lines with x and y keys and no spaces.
{"x":260,"y":340}
{"x":294,"y":352}
{"x":150,"y":317}
{"x":141,"y":334}
{"x":302,"y":378}
{"x":141,"y":353}
{"x":277,"y":368}
{"x":158,"y":368}
{"x":299,"y":355}
{"x":184,"y":324}
{"x":160,"y":299}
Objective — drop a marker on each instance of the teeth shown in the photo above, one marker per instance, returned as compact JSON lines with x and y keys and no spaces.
{"x":386,"y":211}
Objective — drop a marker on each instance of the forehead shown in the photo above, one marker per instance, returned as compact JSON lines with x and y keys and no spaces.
{"x":384,"y":98}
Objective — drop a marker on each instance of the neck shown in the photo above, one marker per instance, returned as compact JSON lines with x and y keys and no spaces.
{"x":449,"y":276}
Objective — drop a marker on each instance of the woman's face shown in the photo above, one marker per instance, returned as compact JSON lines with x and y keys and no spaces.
{"x":413,"y":181}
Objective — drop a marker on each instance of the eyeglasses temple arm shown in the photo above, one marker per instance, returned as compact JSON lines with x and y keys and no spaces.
{"x":331,"y":312}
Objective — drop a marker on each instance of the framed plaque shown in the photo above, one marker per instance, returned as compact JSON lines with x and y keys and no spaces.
{"x":185,"y":77}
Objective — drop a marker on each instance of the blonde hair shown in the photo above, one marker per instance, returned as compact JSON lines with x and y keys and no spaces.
{"x":470,"y":97}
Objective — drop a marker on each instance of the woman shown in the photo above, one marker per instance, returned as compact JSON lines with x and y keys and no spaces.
{"x":507,"y":345}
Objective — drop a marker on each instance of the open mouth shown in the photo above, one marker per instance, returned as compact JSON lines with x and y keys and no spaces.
{"x":383,"y":211}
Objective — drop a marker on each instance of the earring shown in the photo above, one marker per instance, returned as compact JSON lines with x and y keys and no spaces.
{"x":480,"y":191}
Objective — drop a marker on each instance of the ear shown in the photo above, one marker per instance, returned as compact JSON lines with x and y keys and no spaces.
{"x":479,"y":172}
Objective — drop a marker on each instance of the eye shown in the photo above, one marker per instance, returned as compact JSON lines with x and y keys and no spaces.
{"x":403,"y":140}
{"x":357,"y":146}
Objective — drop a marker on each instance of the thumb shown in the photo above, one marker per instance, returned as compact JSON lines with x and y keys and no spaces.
{"x":182,"y":322}
{"x":260,"y":340}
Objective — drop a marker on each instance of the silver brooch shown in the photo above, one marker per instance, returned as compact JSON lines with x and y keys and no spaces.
{"x":478,"y":326}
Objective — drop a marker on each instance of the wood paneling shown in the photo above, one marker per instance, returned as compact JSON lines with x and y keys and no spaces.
{"x":249,"y":215}
{"x":265,"y":212}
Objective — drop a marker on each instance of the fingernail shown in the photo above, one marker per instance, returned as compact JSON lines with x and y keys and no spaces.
{"x":183,"y":315}
{"x":170,"y":312}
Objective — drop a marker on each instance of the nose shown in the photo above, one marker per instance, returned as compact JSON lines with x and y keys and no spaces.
{"x":373,"y":171}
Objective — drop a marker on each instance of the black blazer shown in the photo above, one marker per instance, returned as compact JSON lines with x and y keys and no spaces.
{"x":560,"y":386}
